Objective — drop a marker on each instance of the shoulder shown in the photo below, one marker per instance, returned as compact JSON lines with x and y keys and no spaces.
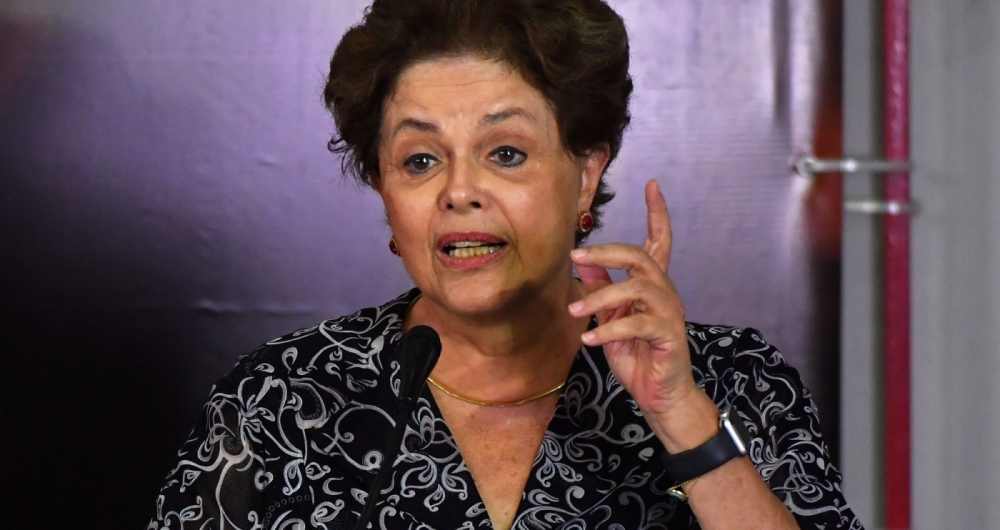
{"x":256,"y":428}
{"x":713,"y":343}
{"x":345,"y":355}
{"x":737,"y":364}
{"x":332,"y":361}
{"x":716,"y":349}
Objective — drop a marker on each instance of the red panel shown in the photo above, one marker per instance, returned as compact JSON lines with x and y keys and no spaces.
{"x":897,"y":270}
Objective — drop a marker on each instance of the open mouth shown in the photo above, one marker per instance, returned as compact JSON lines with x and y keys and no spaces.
{"x":471,"y":249}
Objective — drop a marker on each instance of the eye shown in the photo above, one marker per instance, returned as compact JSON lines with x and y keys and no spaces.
{"x":508,"y":156}
{"x":420,"y":163}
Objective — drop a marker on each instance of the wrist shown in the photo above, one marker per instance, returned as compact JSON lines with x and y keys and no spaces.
{"x":732,"y":440}
{"x":687,"y":423}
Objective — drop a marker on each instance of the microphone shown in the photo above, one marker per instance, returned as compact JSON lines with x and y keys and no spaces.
{"x":419,"y":350}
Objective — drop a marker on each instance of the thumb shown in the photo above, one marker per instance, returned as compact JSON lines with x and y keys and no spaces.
{"x":593,"y":277}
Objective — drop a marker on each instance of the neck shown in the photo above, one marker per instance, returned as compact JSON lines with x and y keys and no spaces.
{"x":520,"y":349}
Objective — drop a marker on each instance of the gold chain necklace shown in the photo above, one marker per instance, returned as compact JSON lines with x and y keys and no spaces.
{"x":499,"y":404}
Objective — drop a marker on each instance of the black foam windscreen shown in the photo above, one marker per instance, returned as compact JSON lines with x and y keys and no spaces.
{"x":419,"y":350}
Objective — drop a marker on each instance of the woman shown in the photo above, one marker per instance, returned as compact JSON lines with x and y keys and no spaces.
{"x":486,"y":126}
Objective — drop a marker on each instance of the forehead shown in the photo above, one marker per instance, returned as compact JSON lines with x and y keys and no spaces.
{"x":463,"y":88}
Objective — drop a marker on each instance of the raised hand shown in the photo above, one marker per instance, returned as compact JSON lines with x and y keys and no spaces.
{"x":641,"y":327}
{"x":641,"y":319}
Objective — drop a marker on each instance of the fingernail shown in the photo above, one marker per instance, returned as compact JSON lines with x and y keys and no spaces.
{"x":587,"y":337}
{"x":578,"y":253}
{"x":576,"y":307}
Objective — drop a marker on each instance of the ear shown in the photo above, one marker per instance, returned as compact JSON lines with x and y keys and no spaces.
{"x":593,"y":165}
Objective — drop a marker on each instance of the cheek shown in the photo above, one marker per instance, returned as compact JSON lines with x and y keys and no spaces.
{"x":409,"y":213}
{"x":563,"y":192}
{"x":391,"y":211}
{"x":545,"y":214}
{"x":397,"y":214}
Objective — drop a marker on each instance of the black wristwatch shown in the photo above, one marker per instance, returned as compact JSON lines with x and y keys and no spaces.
{"x":732,"y":440}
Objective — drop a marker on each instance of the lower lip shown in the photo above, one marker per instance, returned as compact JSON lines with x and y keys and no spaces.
{"x":470,"y":262}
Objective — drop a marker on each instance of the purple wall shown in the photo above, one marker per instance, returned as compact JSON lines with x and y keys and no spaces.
{"x":167,"y":203}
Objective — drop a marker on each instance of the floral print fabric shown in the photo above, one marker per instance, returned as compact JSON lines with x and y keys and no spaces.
{"x":293,"y":437}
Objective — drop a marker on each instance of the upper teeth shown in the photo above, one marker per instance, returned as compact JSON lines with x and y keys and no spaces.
{"x":470,"y":249}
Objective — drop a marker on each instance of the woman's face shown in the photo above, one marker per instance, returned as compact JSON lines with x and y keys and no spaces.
{"x":480,"y":193}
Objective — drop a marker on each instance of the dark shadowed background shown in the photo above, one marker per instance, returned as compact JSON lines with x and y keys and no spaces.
{"x":167,"y":204}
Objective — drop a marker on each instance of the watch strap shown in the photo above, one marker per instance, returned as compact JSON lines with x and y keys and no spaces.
{"x":721,"y":448}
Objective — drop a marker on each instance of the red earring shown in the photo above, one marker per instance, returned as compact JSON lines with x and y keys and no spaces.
{"x":584,"y":222}
{"x":392,"y":245}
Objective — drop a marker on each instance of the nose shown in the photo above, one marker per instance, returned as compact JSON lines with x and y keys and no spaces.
{"x":464,"y":188}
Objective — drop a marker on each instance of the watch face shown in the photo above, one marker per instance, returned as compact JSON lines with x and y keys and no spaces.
{"x":733,"y":424}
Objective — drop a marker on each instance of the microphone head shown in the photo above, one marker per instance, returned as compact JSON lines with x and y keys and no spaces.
{"x":419,"y":350}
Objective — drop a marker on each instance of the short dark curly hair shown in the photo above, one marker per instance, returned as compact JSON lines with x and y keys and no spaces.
{"x":575,"y":52}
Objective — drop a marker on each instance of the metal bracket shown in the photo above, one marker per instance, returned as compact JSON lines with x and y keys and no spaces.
{"x":876,"y":207}
{"x":808,"y":166}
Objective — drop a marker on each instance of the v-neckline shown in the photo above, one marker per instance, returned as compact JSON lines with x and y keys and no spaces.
{"x":573,"y":410}
{"x":533,"y":482}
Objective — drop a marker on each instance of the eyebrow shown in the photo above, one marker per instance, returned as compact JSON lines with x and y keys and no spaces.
{"x":493,"y":119}
{"x":411,"y":123}
{"x":489,"y":119}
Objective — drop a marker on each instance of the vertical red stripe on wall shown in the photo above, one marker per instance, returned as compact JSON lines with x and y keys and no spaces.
{"x":897,"y":270}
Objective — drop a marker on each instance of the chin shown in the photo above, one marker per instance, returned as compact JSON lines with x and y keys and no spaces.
{"x":479,"y":295}
{"x":489,"y":291}
{"x":476,"y":298}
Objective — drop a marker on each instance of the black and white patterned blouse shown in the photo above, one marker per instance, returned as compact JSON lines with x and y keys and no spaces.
{"x":292,"y":438}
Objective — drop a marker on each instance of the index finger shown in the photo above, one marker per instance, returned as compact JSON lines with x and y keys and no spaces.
{"x":660,"y":239}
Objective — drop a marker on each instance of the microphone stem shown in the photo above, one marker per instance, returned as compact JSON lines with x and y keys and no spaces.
{"x":391,"y":452}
